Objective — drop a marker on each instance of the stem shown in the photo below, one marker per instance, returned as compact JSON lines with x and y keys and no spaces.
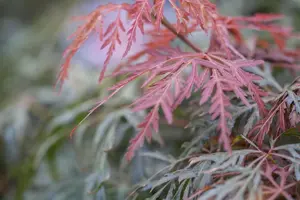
{"x":171,"y":28}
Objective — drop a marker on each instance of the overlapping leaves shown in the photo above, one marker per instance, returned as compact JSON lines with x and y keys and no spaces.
{"x":173,"y":75}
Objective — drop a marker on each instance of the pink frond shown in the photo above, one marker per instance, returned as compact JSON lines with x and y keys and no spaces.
{"x":83,"y":32}
{"x":140,"y":12}
{"x":279,"y":186}
{"x":159,"y":9}
{"x":219,"y":104}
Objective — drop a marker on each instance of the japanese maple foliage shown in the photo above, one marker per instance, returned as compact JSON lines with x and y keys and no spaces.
{"x":170,"y":75}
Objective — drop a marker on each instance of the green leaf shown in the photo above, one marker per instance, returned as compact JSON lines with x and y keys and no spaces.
{"x":158,"y":193}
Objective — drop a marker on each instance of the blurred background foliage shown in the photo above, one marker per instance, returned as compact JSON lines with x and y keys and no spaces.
{"x":38,"y":158}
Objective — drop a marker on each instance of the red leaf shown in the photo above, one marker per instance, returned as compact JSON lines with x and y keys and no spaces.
{"x":84,"y":31}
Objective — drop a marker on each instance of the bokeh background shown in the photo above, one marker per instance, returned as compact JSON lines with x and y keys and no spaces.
{"x":37,"y":158}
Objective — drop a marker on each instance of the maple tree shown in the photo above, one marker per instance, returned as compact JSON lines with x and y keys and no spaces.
{"x":228,"y":70}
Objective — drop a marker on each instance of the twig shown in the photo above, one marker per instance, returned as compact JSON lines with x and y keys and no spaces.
{"x":171,"y":28}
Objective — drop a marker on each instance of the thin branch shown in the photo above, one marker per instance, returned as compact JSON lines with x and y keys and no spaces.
{"x":171,"y":28}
